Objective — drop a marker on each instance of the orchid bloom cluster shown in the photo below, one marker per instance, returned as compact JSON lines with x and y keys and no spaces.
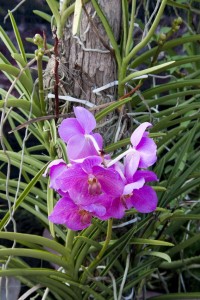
{"x":93,"y":185}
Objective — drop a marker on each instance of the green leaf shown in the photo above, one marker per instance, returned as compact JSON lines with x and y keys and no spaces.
{"x":7,"y":42}
{"x":22,"y":104}
{"x":44,"y":255}
{"x":62,"y":148}
{"x":54,"y":9}
{"x":146,"y":71}
{"x":111,"y":107}
{"x":157,"y":254}
{"x":180,"y":264}
{"x":168,"y":45}
{"x":50,"y":206}
{"x":177,"y":296}
{"x":42,"y":15}
{"x":18,"y":38}
{"x":25,"y":81}
{"x":27,"y":159}
{"x":45,"y":242}
{"x":185,"y":244}
{"x":140,"y":241}
{"x":117,"y":145}
{"x":40,"y":273}
{"x":23,"y":195}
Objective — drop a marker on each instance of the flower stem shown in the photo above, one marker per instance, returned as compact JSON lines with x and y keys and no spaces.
{"x":69,"y":240}
{"x":108,"y":238}
{"x":40,"y":79}
{"x":101,"y":253}
{"x":68,"y":247}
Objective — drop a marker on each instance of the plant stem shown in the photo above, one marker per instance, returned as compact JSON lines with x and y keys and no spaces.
{"x":179,"y":264}
{"x":101,"y":253}
{"x":131,"y":28}
{"x":69,"y":240}
{"x":125,"y":20}
{"x":147,"y":38}
{"x":68,"y":246}
{"x":138,"y":47}
{"x":108,"y":238}
{"x":41,"y":89}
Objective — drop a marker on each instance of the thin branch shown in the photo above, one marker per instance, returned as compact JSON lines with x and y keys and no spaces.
{"x":14,"y":9}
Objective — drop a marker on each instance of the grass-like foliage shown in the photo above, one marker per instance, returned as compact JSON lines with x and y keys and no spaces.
{"x":142,"y":252}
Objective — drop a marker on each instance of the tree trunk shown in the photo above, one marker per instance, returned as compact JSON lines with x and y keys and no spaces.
{"x":88,"y":62}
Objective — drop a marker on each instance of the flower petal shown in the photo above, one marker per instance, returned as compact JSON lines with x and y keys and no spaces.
{"x":56,"y":169}
{"x":68,"y":213}
{"x":110,"y":180}
{"x":131,"y":164}
{"x":116,"y":210}
{"x":144,"y":200}
{"x":98,"y":139}
{"x":119,"y":167}
{"x":61,"y":210}
{"x":96,"y":209}
{"x":72,"y":177}
{"x":147,"y":175}
{"x":90,"y":162}
{"x":52,"y":164}
{"x":138,"y":133}
{"x":80,"y":146}
{"x":147,"y":150}
{"x":128,"y":189}
{"x":68,"y":128}
{"x":85,"y":119}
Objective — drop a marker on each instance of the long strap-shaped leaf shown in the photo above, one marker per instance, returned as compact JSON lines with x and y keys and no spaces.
{"x":23,"y":195}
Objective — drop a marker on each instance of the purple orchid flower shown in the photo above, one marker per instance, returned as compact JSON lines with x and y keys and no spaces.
{"x":142,"y":153}
{"x":68,"y":213}
{"x":74,"y":216}
{"x":96,"y":186}
{"x":135,"y":194}
{"x":77,"y":133}
{"x":89,"y":182}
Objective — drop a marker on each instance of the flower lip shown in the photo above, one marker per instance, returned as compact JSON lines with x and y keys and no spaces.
{"x":123,"y":199}
{"x":85,"y":216}
{"x":94,"y":187}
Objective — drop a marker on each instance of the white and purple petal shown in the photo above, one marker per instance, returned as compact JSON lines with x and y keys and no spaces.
{"x":80,"y":146}
{"x":147,"y":150}
{"x":130,"y":187}
{"x":131,"y":164}
{"x":139,"y":133}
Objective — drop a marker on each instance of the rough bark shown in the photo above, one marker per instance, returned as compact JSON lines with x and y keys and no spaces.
{"x":88,"y":69}
{"x":85,"y":63}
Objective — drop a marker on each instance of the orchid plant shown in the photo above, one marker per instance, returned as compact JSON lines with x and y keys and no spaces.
{"x":91,"y":183}
{"x":102,"y":233}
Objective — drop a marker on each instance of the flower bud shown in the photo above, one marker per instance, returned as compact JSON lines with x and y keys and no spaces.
{"x":38,"y":40}
{"x":162,"y":38}
{"x":179,"y":21}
